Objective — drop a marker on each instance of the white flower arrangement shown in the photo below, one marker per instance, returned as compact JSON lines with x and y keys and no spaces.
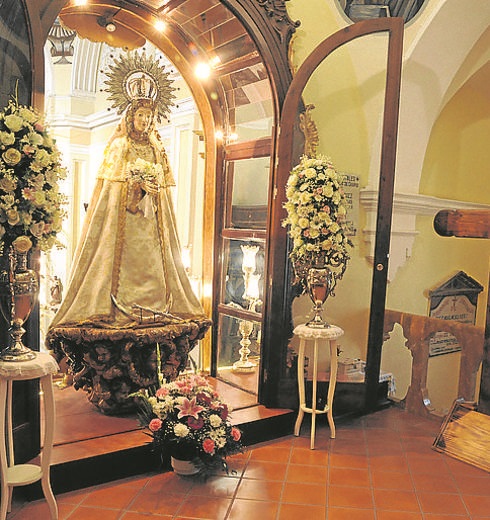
{"x":31,"y":204}
{"x":145,"y":172}
{"x":316,"y":211}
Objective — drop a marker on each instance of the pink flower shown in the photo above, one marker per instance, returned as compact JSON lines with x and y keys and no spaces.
{"x":236,"y":434}
{"x":28,"y":149}
{"x":155,"y":425}
{"x":195,"y":424}
{"x":224,"y":412}
{"x":203,"y":398}
{"x":208,"y":446}
{"x":28,"y":193}
{"x":162,"y":392}
{"x":189,"y":408}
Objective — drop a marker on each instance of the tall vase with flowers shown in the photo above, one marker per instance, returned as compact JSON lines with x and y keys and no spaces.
{"x":31,"y":213}
{"x":316,"y":211}
{"x":189,"y":421}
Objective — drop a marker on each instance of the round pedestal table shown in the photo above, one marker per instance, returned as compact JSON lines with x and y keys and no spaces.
{"x":42,"y":367}
{"x":325,"y":336}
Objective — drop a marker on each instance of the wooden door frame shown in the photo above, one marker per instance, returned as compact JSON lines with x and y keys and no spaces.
{"x":275,"y":331}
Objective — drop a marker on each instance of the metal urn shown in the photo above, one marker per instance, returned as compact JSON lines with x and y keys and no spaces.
{"x":320,"y":283}
{"x":19,"y":289}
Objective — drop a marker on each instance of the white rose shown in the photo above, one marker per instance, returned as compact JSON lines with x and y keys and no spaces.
{"x":304,"y":223}
{"x":28,"y":115}
{"x":35,"y":139}
{"x":7,"y":138}
{"x":14,"y":122}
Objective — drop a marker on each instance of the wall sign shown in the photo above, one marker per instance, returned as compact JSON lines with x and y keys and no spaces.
{"x":350,"y":183}
{"x":455,"y":300}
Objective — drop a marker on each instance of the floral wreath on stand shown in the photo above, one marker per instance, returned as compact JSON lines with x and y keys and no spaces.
{"x":31,"y":204}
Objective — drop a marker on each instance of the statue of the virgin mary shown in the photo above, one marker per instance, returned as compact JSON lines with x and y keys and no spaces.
{"x":128,"y":267}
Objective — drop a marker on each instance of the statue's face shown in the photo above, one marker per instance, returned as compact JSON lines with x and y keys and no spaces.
{"x":142,"y":119}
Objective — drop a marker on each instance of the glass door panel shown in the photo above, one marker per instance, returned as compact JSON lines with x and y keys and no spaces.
{"x":243,"y":274}
{"x":249,"y":181}
{"x":239,"y":355}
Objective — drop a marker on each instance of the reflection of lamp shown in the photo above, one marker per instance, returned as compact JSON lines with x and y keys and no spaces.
{"x":244,"y":364}
{"x":251,"y":294}
{"x":186,"y":261}
{"x":248,"y":266}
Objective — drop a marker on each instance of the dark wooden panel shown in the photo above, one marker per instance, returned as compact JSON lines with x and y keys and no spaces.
{"x":467,"y":223}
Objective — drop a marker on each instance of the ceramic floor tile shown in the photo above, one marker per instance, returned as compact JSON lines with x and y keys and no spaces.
{"x":472,"y":485}
{"x":444,"y":503}
{"x":349,"y":477}
{"x":206,"y":508}
{"x":343,"y":513}
{"x":299,"y":493}
{"x":396,"y":500}
{"x":265,"y":470}
{"x":216,"y":487}
{"x":353,"y":497}
{"x":388,"y":462}
{"x":248,"y":509}
{"x":271,"y":453}
{"x":478,"y":505}
{"x":114,"y":495}
{"x":398,"y":515}
{"x":305,"y":473}
{"x":157,"y":502}
{"x":427,"y":483}
{"x":143,"y":516}
{"x":269,"y":490}
{"x":428,"y":463}
{"x":314,"y":457}
{"x":348,"y":460}
{"x":94,"y":513}
{"x":391,"y":480}
{"x":429,"y":516}
{"x":296,"y":511}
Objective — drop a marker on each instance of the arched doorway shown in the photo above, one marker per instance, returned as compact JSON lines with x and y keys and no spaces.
{"x":242,"y":97}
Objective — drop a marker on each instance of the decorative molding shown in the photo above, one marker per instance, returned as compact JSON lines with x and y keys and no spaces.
{"x":406,"y":208}
{"x":277,"y":12}
{"x":310,"y":131}
{"x":109,"y":117}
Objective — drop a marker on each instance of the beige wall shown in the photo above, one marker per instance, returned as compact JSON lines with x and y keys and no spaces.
{"x":347,"y":93}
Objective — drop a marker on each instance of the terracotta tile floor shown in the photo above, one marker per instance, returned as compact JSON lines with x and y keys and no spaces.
{"x":380,"y":467}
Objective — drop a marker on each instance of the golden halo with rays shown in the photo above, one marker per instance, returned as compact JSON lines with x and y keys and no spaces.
{"x":123,"y":72}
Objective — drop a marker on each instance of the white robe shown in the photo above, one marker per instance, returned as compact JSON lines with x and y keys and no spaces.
{"x":131,"y":257}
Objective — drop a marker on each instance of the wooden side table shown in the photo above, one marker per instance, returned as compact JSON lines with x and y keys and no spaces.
{"x":42,"y":367}
{"x":317,"y":335}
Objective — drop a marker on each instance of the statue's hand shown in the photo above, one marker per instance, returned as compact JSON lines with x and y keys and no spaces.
{"x":135,"y":194}
{"x":151,"y":187}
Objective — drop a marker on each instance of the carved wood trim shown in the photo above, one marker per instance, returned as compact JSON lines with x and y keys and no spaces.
{"x":418,"y":331}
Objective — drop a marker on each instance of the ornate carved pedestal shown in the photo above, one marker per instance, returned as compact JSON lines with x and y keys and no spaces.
{"x":109,"y":364}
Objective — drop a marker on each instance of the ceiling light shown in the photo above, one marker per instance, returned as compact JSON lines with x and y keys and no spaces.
{"x":107,"y":23}
{"x":202,"y":70}
{"x":160,"y":25}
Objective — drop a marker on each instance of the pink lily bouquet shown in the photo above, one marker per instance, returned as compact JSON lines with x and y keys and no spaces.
{"x":188,"y":420}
